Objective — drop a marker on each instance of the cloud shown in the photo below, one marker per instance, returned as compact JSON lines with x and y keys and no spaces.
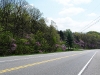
{"x":72,"y":2}
{"x":92,"y":14}
{"x":75,"y":26}
{"x":66,"y":21}
{"x":71,"y":11}
{"x":81,"y":1}
{"x":32,"y":5}
{"x":29,"y":6}
{"x":64,"y":2}
{"x":69,"y":23}
{"x":94,"y":28}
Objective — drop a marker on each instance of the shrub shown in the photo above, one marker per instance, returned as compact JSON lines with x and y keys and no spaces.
{"x":5,"y":43}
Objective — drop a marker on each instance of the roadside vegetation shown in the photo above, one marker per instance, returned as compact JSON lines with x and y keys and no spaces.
{"x":23,"y":30}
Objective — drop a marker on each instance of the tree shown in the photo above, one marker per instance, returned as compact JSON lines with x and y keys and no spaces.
{"x":91,"y":39}
{"x":61,"y":35}
{"x":25,"y":29}
{"x":69,"y":38}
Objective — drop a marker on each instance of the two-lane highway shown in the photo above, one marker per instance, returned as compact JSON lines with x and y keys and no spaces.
{"x":64,"y":63}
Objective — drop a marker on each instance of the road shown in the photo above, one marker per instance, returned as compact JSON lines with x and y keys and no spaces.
{"x":85,"y":62}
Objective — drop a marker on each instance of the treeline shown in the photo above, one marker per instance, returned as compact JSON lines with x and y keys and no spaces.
{"x":77,"y":40}
{"x":23,"y":30}
{"x":89,"y":40}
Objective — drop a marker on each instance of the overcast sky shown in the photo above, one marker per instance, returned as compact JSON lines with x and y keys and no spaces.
{"x":71,"y":14}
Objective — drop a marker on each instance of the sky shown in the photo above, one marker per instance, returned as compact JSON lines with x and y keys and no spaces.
{"x":76,"y":15}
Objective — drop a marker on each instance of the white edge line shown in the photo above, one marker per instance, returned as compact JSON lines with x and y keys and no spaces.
{"x":80,"y":73}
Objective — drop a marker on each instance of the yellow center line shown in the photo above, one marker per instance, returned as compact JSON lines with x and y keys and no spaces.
{"x":33,"y":64}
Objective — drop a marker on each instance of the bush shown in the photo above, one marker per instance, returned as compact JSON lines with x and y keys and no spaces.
{"x":5,"y":43}
{"x":24,"y":46}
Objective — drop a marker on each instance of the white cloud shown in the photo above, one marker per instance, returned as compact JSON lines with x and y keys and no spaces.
{"x":29,"y":6}
{"x":65,"y":2}
{"x":32,"y":5}
{"x":94,"y":28}
{"x":92,"y":14}
{"x":69,"y":23}
{"x":75,"y":26}
{"x":72,"y":2}
{"x":65,"y":20}
{"x":81,"y":1}
{"x":71,"y":11}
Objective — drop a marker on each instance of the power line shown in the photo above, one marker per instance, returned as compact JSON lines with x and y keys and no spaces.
{"x":88,"y":25}
{"x":92,"y":24}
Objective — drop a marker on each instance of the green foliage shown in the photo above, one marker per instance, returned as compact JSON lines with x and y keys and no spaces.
{"x":61,"y":35}
{"x":5,"y":43}
{"x":23,"y":41}
{"x":69,"y":38}
{"x":59,"y":50}
{"x":90,"y":40}
{"x":23,"y":30}
{"x":24,"y":46}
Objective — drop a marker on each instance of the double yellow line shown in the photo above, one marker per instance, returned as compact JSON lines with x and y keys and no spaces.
{"x":33,"y":64}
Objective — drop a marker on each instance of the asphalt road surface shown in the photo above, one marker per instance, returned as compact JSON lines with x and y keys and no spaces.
{"x":85,"y":62}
